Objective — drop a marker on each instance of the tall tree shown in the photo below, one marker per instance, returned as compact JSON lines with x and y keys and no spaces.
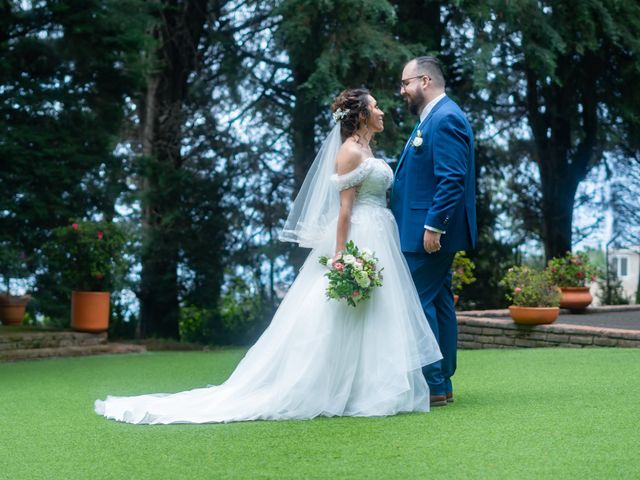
{"x":331,"y":46}
{"x":66,"y":67}
{"x":192,"y":153}
{"x":177,"y":35}
{"x":564,"y":73}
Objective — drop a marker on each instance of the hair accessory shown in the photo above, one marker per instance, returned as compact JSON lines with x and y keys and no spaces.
{"x":339,"y":114}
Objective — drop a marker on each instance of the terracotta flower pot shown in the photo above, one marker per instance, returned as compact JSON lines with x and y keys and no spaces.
{"x":90,"y":311}
{"x":575,"y":299}
{"x":13,"y":308}
{"x":534,"y":315}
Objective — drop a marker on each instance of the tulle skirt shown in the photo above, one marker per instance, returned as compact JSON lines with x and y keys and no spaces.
{"x":318,"y":356}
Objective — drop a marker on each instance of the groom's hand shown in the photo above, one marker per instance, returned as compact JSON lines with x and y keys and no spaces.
{"x":431,"y":241}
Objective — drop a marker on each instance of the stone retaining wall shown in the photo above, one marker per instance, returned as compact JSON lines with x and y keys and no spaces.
{"x":481,"y":332}
{"x":34,"y":340}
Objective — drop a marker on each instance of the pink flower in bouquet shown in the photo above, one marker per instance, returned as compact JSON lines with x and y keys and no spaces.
{"x":338,"y":266}
{"x":355,"y":294}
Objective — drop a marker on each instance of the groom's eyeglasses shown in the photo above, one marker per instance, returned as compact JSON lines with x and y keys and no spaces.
{"x":404,"y":83}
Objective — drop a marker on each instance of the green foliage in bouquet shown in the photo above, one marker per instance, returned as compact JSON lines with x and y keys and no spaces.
{"x":461,"y":272}
{"x":572,"y":270}
{"x":528,"y":287}
{"x":352,"y":275}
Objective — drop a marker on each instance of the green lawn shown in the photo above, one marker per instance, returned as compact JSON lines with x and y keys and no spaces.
{"x":518,"y":414}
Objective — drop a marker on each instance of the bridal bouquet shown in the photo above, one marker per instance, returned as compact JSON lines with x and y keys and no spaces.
{"x":352,"y":275}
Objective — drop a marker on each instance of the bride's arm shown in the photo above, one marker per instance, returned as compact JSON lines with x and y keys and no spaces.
{"x":347,"y":160}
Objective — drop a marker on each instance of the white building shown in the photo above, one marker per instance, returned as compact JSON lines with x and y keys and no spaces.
{"x":626,"y":264}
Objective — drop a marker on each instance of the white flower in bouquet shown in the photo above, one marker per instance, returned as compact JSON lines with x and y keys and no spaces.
{"x":362,"y":279}
{"x":349,"y":259}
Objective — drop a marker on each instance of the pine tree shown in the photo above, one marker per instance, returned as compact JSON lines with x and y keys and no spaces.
{"x":65,"y":70}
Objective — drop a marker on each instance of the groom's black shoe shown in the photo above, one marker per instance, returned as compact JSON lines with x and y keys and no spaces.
{"x":450,"y":397}
{"x":438,"y":400}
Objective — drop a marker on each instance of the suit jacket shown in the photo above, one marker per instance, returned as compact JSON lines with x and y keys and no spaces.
{"x":435,"y":182}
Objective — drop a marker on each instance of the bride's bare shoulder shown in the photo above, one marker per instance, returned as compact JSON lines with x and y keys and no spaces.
{"x":349,"y":157}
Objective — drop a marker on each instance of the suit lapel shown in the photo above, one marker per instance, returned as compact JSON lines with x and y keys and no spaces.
{"x":406,"y":147}
{"x":420,"y":125}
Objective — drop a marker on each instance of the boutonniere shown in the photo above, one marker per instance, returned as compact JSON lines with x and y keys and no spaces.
{"x":417,"y":140}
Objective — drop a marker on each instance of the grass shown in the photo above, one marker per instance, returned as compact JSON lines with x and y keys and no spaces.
{"x":534,"y":413}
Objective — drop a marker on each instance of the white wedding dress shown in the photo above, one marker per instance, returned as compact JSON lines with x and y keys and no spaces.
{"x":319,"y":356}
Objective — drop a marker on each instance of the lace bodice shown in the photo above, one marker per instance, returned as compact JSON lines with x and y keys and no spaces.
{"x":372,"y":177}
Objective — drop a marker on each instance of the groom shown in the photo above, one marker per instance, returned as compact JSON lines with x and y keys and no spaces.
{"x":433,"y":202}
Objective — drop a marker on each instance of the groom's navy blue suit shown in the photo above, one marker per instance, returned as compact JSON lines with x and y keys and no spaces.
{"x":435,"y":186}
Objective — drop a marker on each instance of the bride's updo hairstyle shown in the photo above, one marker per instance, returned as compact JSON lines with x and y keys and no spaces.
{"x":351,"y":107}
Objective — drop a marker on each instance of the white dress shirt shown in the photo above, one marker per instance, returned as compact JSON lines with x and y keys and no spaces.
{"x":427,"y":110}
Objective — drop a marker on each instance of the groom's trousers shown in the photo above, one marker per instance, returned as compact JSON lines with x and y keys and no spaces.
{"x":431,"y":274}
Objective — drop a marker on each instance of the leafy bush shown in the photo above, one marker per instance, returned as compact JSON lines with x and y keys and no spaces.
{"x":240,"y":317}
{"x":528,"y":287}
{"x":461,"y":272}
{"x":572,"y":270}
{"x":88,"y":255}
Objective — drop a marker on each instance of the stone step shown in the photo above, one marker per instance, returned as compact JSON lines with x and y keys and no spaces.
{"x":49,"y":339}
{"x":69,"y":351}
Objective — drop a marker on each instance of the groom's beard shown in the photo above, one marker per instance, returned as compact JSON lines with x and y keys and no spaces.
{"x":416,"y":103}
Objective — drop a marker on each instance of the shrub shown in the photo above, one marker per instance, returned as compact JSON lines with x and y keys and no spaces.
{"x":528,"y":287}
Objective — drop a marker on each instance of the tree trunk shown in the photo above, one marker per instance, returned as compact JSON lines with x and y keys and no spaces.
{"x":178,"y":35}
{"x":304,"y":145}
{"x":558,"y":193}
{"x":562,"y":162}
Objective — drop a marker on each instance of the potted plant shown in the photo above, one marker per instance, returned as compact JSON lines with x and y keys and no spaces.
{"x":534,"y":297}
{"x":13,"y":266}
{"x":89,"y":256}
{"x":571,"y":273}
{"x":461,"y":274}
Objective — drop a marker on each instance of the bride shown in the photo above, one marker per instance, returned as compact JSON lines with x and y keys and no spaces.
{"x":319,"y":356}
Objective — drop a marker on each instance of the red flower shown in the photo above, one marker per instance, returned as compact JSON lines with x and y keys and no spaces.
{"x":579,"y":274}
{"x":74,"y":226}
{"x":100,"y":235}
